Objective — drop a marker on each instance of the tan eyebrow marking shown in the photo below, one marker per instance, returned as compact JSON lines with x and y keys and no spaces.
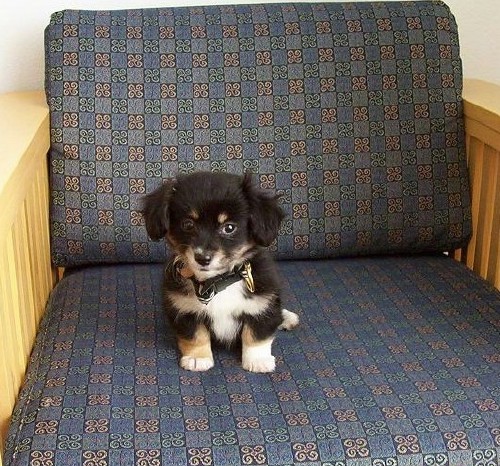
{"x":222,"y":218}
{"x":194,"y":214}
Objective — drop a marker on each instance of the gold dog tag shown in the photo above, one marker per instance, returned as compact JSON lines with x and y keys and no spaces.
{"x":246,"y":273}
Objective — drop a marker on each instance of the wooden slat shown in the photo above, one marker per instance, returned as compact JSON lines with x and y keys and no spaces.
{"x":475,"y":150}
{"x":493,"y":267}
{"x":14,"y":319}
{"x":26,"y":290}
{"x":37,"y":218}
{"x":7,"y":342}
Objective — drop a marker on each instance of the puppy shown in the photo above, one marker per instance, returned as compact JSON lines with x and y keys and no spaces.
{"x":221,"y":283}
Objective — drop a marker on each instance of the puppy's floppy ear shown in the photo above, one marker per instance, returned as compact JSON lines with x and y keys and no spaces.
{"x":265,"y":213}
{"x":155,"y":210}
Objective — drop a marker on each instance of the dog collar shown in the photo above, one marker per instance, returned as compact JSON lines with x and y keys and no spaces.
{"x":206,"y":290}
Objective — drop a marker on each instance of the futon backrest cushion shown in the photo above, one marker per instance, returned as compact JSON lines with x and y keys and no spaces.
{"x":351,"y":112}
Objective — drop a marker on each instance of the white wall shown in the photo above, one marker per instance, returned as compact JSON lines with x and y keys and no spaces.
{"x":22,"y":23}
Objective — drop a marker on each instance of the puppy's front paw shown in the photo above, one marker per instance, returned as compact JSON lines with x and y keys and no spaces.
{"x":290,"y":320}
{"x":196,"y":364}
{"x":262,"y":364}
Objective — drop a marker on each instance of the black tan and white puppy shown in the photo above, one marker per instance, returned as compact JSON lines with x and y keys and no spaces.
{"x":221,"y":283}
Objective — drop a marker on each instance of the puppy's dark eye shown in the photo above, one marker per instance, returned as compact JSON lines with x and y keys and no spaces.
{"x":228,"y":229}
{"x":187,"y":224}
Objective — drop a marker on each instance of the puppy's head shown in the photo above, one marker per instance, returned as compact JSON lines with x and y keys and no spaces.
{"x":214,"y":221}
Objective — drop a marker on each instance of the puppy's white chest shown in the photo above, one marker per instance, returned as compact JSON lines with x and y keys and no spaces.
{"x":225,"y":309}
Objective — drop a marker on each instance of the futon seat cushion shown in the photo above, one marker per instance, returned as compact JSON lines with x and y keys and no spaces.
{"x":396,"y":361}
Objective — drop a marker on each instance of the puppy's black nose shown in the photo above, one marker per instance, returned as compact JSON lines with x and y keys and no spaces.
{"x":203,"y":258}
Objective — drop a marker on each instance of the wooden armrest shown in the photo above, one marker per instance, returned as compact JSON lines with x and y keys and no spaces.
{"x":26,"y":275}
{"x":482,"y":128}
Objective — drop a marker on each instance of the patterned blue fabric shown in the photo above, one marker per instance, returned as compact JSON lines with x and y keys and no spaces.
{"x":351,"y":112}
{"x":396,"y":362}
